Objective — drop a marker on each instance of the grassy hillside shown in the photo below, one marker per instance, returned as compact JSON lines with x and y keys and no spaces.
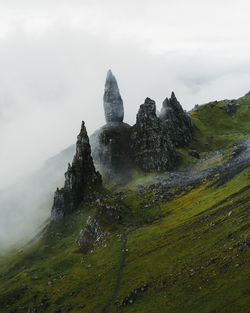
{"x":218,"y":129}
{"x":177,"y":249}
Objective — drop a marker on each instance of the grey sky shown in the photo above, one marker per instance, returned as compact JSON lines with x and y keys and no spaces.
{"x":54,"y":56}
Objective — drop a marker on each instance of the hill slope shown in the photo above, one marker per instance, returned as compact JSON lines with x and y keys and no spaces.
{"x":182,"y":244}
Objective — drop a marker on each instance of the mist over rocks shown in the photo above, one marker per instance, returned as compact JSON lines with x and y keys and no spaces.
{"x":118,"y":148}
{"x":80,"y":176}
{"x":152,"y":148}
{"x":111,"y":149}
{"x":176,"y":123}
{"x":149,"y":144}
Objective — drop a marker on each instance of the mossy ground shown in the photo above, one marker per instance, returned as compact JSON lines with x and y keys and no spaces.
{"x":189,"y":246}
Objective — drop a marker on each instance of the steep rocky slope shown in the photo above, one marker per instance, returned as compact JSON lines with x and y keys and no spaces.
{"x":176,"y":241}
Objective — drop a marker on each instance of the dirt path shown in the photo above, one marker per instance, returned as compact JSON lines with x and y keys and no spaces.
{"x":118,"y":280}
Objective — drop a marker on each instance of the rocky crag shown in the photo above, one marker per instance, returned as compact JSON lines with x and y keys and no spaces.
{"x":80,"y":176}
{"x":176,"y":123}
{"x":152,"y":147}
{"x":118,"y":147}
{"x":149,"y":144}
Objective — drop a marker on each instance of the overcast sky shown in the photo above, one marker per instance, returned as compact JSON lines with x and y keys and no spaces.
{"x":54,"y":56}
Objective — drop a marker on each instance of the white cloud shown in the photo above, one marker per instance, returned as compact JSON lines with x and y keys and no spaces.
{"x":54,"y":56}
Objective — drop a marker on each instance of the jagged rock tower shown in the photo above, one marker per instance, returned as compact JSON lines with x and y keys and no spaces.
{"x":112,"y":101}
{"x":111,"y":142}
{"x":149,"y":144}
{"x":80,"y":176}
{"x":176,"y":123}
{"x":152,"y":148}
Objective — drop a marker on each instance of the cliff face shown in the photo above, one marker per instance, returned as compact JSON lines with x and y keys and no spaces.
{"x":149,"y":144}
{"x":151,"y":147}
{"x":176,"y":123}
{"x":80,"y":176}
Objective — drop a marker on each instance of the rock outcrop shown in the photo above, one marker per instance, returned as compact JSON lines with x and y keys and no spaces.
{"x":151,"y":147}
{"x":176,"y":123}
{"x":111,"y":142}
{"x":93,"y":232}
{"x":107,"y":213}
{"x":230,"y":106}
{"x":247,"y":94}
{"x":112,"y":101}
{"x":80,"y":176}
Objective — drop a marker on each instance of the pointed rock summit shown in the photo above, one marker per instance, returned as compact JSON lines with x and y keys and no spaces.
{"x":176,"y":123}
{"x":80,"y":176}
{"x":152,"y":149}
{"x":112,"y":101}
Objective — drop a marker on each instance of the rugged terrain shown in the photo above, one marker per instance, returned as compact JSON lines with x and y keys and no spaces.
{"x":174,"y":241}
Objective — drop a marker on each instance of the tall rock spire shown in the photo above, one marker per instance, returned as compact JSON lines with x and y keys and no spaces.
{"x":80,"y":176}
{"x":112,"y":101}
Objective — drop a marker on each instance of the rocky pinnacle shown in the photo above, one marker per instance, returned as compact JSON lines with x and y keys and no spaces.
{"x":112,"y":101}
{"x":79,"y":176}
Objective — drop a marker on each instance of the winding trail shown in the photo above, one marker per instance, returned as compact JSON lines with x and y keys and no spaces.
{"x":118,"y":280}
{"x":178,"y":179}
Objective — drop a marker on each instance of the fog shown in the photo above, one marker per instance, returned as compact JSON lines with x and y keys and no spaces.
{"x":54,"y":56}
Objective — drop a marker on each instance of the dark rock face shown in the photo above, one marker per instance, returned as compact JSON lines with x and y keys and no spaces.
{"x":111,"y":148}
{"x":151,"y":147}
{"x":247,"y":94}
{"x":79,"y":176}
{"x":176,"y":123}
{"x":110,"y":143}
{"x":112,"y":101}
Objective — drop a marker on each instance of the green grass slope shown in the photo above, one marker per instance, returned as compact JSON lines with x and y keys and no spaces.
{"x":182,"y":249}
{"x":218,"y":129}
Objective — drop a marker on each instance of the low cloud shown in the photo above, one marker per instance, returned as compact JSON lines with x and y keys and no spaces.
{"x":54,"y":59}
